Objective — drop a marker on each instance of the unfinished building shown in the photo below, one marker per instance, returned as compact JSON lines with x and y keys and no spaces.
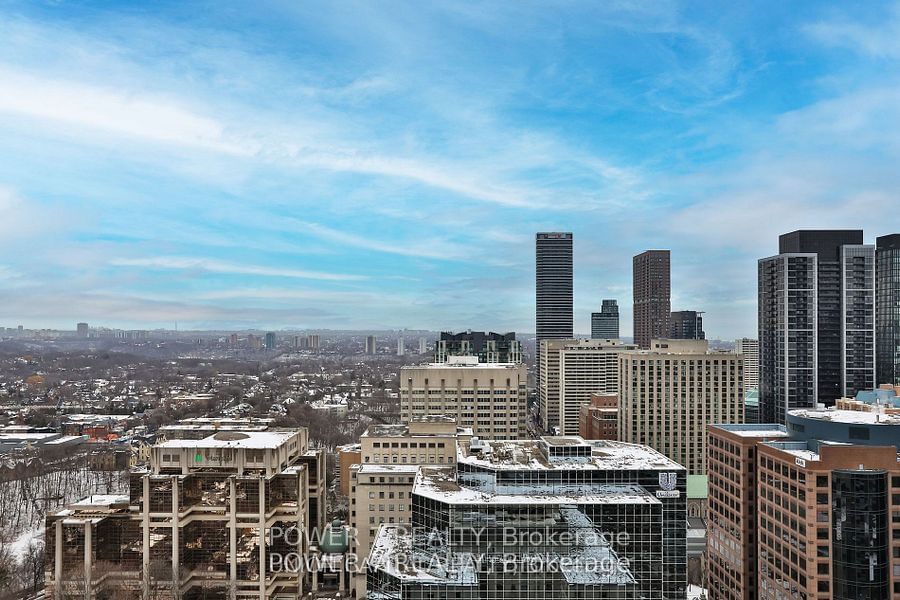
{"x":211,"y":517}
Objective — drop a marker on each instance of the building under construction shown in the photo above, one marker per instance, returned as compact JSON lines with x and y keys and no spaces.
{"x":219,"y":513}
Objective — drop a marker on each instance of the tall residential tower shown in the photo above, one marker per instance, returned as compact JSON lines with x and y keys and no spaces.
{"x":887,"y":308}
{"x":816,"y":320}
{"x":652,"y":296}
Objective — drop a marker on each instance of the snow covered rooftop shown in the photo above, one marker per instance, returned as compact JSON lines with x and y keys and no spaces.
{"x":440,"y":484}
{"x":531,"y":455}
{"x":854,"y":417}
{"x":756,"y":430}
{"x":235,"y":439}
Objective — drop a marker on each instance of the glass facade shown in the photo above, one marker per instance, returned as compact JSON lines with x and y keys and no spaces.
{"x":859,"y":535}
{"x":887,"y":308}
{"x":569,"y":531}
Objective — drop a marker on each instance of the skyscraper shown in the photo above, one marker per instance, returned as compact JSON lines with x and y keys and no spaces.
{"x":553,"y":288}
{"x":488,"y":347}
{"x":401,"y":346}
{"x":686,"y":325}
{"x":370,"y":344}
{"x":750,"y":349}
{"x":82,"y":329}
{"x":887,"y":308}
{"x":270,"y":341}
{"x":652,"y":296}
{"x":816,"y":320}
{"x":605,"y":324}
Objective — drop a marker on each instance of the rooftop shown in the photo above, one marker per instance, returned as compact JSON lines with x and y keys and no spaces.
{"x":440,"y":483}
{"x":529,"y":455}
{"x":755,"y":430}
{"x":854,"y":417}
{"x":235,"y":439}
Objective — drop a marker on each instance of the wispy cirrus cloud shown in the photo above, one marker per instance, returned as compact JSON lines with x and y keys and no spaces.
{"x":206,"y":265}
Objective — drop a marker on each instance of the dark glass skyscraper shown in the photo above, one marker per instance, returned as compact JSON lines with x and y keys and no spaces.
{"x":553,"y":288}
{"x":605,"y":324}
{"x":686,"y":325}
{"x":816,"y":320}
{"x":652,"y":296}
{"x":887,"y":308}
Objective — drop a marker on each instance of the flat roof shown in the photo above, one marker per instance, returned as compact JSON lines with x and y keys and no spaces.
{"x":529,"y":455}
{"x":234,"y":439}
{"x":755,"y":430}
{"x":440,"y":484}
{"x":852,"y":417}
{"x":375,"y":468}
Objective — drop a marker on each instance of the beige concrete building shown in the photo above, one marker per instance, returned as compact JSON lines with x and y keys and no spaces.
{"x":489,"y":398}
{"x":201,"y":520}
{"x":669,"y":394}
{"x":572,"y":370}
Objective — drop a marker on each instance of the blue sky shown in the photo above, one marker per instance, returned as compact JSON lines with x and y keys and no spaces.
{"x":386,"y":164}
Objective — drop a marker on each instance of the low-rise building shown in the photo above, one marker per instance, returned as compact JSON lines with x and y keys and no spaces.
{"x":205,"y":519}
{"x":599,"y":420}
{"x":552,"y":518}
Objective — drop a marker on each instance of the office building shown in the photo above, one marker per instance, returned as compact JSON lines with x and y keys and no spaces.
{"x":82,"y":330}
{"x":749,"y":348}
{"x":553,"y":288}
{"x":599,"y":420}
{"x":312,"y":342}
{"x":816,"y":321}
{"x":570,"y":371}
{"x":887,"y":308}
{"x":596,"y":520}
{"x":652,"y":289}
{"x":668,"y":395}
{"x":686,"y":325}
{"x":488,"y":347}
{"x":731,"y":509}
{"x":381,"y":483}
{"x":489,"y":398}
{"x":270,"y":341}
{"x":198,"y":522}
{"x":605,"y":324}
{"x":806,"y":510}
{"x":370,"y":344}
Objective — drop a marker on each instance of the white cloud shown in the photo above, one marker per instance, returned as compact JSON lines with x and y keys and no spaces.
{"x":218,"y":266}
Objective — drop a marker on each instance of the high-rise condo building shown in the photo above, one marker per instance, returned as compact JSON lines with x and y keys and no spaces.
{"x":201,"y":521}
{"x":490,"y":398}
{"x":605,"y":324}
{"x":312,"y":341}
{"x":887,"y":308}
{"x":370,"y":344}
{"x":488,"y":347}
{"x":553,"y":518}
{"x":807,"y":510}
{"x":816,"y":320}
{"x":652,"y":290}
{"x":401,"y":346}
{"x":668,"y":395}
{"x":686,"y":325}
{"x":570,"y":371}
{"x":270,"y":341}
{"x":82,"y":330}
{"x":553,"y":288}
{"x":750,"y":349}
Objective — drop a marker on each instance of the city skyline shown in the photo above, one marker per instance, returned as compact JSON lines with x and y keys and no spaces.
{"x":317,"y":166}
